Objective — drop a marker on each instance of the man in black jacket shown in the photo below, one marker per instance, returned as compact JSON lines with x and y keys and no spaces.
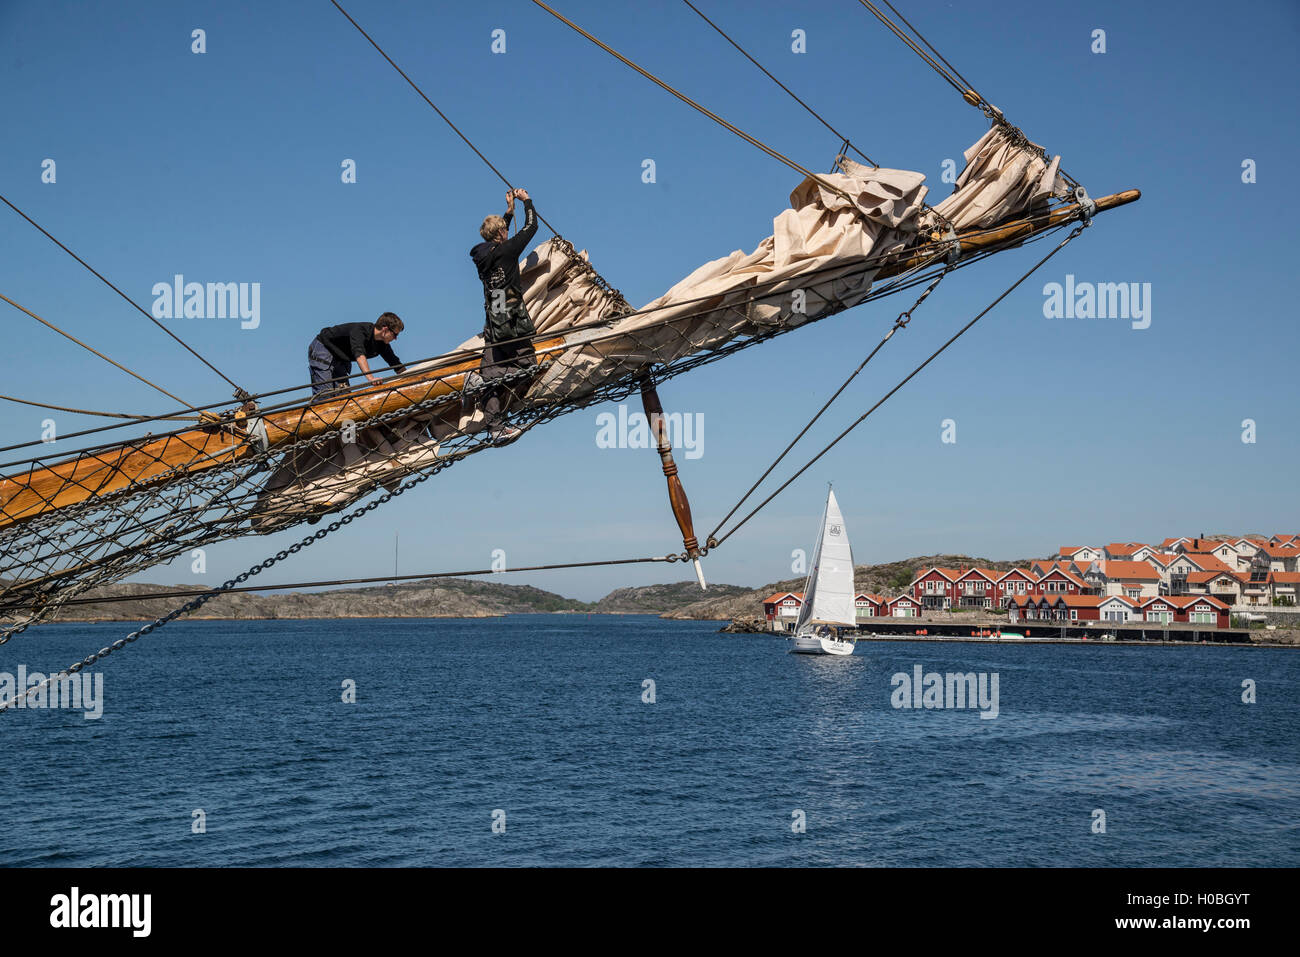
{"x":497,"y":260}
{"x":331,"y":353}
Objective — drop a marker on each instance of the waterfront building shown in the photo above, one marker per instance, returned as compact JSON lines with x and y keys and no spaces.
{"x":1135,"y":580}
{"x":903,"y":606}
{"x":977,"y":588}
{"x":782,"y":610}
{"x":935,"y":588}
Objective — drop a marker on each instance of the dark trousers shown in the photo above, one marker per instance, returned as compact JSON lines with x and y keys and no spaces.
{"x":500,"y":360}
{"x":325,"y":366}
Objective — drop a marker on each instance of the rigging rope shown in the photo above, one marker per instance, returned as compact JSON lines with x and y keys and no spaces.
{"x":900,"y":323}
{"x":951,"y":75}
{"x":239,"y":393}
{"x":66,"y":335}
{"x":775,"y":154}
{"x":934,"y":355}
{"x":570,"y":253}
{"x":795,"y":97}
{"x":445,"y":118}
{"x":107,"y":415}
{"x":153,"y":596}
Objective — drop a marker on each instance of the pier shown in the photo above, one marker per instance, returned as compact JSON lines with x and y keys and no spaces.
{"x":1052,"y":631}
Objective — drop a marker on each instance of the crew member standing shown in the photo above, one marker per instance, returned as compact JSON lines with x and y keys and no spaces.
{"x":507,"y":319}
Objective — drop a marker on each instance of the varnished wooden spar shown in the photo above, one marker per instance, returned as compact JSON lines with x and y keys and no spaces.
{"x":979,"y":240}
{"x":138,"y":463}
{"x":108,"y":470}
{"x":654,"y":412}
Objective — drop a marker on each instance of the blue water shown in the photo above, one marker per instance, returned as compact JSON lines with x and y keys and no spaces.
{"x":541,"y":717}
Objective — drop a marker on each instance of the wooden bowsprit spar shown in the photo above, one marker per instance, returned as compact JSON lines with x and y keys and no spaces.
{"x":82,"y":518}
{"x":103,"y":471}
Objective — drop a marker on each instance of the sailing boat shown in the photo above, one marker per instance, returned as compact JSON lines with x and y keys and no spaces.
{"x":828,"y":598}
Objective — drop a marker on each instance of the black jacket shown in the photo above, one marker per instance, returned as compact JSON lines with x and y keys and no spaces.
{"x":348,"y":340}
{"x":498,"y":263}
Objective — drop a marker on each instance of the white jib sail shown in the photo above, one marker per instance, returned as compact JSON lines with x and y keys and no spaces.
{"x":829,"y":597}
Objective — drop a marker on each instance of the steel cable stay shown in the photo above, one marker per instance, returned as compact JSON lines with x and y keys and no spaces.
{"x":900,"y":323}
{"x":846,"y":142}
{"x":239,"y":393}
{"x":753,"y":141}
{"x":714,"y":543}
{"x":134,"y":419}
{"x":964,"y":87}
{"x":822,"y":120}
{"x":576,"y":260}
{"x":94,"y":351}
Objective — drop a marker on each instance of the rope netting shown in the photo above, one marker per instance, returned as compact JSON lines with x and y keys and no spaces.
{"x":67,"y":527}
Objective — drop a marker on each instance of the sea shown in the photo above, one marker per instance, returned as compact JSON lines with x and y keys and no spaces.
{"x":572,"y":740}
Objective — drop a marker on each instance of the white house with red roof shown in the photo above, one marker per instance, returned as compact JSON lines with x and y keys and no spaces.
{"x":1223,"y":551}
{"x":1223,"y":585}
{"x":1280,"y":558}
{"x":1079,"y":553}
{"x":1118,"y":609}
{"x":1131,"y":579}
{"x":1127,"y":551}
{"x":1282,"y":587}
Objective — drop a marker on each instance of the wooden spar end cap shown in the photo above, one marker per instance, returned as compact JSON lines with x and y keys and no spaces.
{"x":1119,"y":199}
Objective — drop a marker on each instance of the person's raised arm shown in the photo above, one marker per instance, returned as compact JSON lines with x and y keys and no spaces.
{"x":516,"y":245}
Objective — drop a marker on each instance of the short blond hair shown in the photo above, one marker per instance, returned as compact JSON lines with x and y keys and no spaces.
{"x":491,"y":226}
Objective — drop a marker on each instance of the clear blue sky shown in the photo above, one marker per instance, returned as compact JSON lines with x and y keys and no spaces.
{"x":226,"y":167}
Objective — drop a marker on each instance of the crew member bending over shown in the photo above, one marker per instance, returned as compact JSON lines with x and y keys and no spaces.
{"x":332,"y":352}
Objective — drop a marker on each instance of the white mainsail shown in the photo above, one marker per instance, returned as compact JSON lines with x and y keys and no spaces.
{"x":829,"y":597}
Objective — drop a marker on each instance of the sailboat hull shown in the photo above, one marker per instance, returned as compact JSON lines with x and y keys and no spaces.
{"x":813,"y":645}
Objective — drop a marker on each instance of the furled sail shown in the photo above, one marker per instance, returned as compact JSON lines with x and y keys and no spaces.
{"x":810,"y":267}
{"x":111,"y":511}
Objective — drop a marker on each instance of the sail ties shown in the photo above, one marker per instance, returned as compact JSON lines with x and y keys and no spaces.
{"x":618,"y":306}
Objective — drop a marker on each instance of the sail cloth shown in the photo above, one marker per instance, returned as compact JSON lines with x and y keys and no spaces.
{"x":810,"y":267}
{"x":1001,"y":180}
